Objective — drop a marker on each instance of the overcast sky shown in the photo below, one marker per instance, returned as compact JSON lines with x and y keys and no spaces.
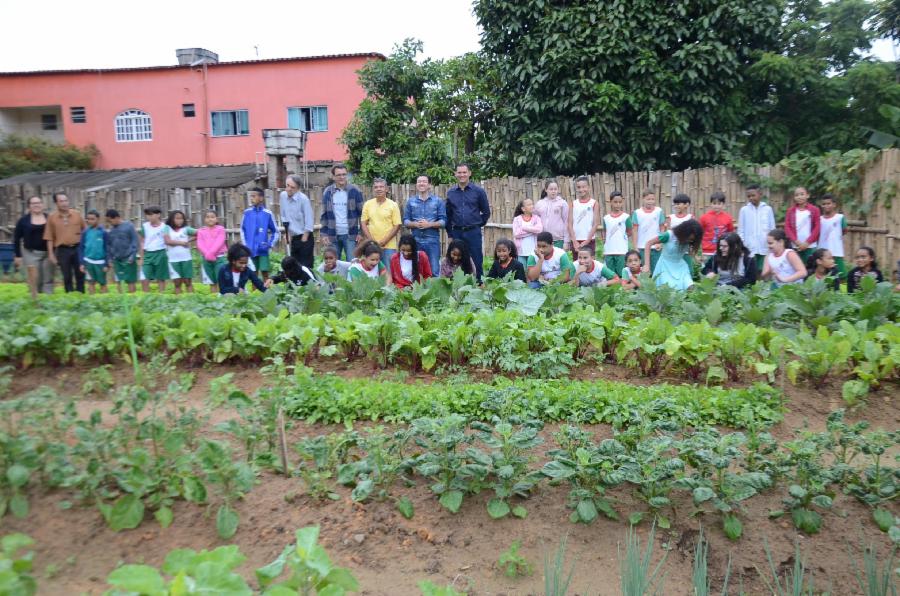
{"x":57,"y":34}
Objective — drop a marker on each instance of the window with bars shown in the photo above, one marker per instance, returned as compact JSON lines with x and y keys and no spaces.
{"x":49,"y":122}
{"x":133,"y":125}
{"x":79,"y":116}
{"x":310,"y":119}
{"x":232,"y":123}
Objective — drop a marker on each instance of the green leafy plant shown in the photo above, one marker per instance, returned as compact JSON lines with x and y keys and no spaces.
{"x":512,"y":564}
{"x":875,"y":578}
{"x":16,"y":577}
{"x":210,"y":572}
{"x":809,"y":489}
{"x":321,"y":457}
{"x":591,"y":470}
{"x":818,"y":357}
{"x":98,"y":381}
{"x":455,"y":472}
{"x":510,"y":442}
{"x":310,"y":570}
{"x":230,"y":477}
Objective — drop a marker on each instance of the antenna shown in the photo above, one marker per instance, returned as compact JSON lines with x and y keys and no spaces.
{"x":257,"y":50}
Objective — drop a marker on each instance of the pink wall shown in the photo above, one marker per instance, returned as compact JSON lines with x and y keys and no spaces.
{"x":264,"y":88}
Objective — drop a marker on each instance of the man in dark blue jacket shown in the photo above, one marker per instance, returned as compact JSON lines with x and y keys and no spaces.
{"x":467,"y":212}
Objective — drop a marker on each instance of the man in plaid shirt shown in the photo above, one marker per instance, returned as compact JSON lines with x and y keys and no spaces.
{"x":342,"y":204}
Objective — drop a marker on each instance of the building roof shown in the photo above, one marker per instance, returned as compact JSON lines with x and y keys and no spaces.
{"x":187,"y":177}
{"x":173,"y":66}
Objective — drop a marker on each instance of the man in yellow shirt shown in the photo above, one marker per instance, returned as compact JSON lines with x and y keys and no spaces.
{"x":381,"y":220}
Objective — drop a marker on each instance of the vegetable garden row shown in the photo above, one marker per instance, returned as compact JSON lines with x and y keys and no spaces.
{"x":503,"y":340}
{"x":153,"y":453}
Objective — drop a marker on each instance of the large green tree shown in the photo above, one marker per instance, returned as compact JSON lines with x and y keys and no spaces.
{"x":819,"y":91}
{"x":602,"y":85}
{"x":419,"y":116}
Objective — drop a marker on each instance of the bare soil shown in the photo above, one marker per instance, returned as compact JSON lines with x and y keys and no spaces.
{"x":75,"y":550}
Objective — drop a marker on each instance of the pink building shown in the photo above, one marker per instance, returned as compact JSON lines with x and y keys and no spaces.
{"x":199,"y":112}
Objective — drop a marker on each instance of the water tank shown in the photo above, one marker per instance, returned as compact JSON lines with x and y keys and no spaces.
{"x":195,"y":56}
{"x":284,"y":141}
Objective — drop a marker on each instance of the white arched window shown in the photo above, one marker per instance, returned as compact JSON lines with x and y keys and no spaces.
{"x":133,"y":125}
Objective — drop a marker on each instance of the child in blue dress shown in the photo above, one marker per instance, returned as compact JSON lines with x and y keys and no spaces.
{"x":671,"y":268}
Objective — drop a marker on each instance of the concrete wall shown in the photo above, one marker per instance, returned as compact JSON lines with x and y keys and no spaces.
{"x":27,"y":122}
{"x":266,"y":89}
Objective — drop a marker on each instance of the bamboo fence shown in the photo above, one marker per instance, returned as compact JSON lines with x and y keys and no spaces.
{"x":879,"y":229}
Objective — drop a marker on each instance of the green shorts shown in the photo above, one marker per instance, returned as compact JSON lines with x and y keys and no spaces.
{"x":181,"y":270}
{"x":156,"y":265}
{"x":841,"y":267}
{"x":261,"y":263}
{"x":805,"y":254}
{"x":126,"y":271}
{"x":760,"y":263}
{"x":615,"y":262}
{"x":558,"y":243}
{"x":211,"y":270}
{"x":95,"y":273}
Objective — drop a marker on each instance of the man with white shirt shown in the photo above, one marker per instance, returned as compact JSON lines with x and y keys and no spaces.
{"x":297,"y":215}
{"x":755,"y":220}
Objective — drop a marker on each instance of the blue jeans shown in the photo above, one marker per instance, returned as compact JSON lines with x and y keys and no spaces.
{"x":535,"y":285}
{"x":473,"y":239}
{"x":345,"y":244}
{"x":432,"y":248}
{"x":386,"y":255}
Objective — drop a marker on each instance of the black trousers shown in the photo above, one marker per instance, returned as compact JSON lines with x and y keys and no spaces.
{"x":67,"y":257}
{"x":303,"y":251}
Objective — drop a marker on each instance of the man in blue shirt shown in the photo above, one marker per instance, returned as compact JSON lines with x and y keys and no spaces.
{"x":467,"y":212}
{"x":425,"y":215}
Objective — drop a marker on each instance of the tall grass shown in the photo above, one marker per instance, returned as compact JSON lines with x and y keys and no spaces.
{"x":872,"y":579}
{"x":796,"y":582}
{"x":700,"y":575}
{"x":556,"y":580}
{"x":637,"y":579}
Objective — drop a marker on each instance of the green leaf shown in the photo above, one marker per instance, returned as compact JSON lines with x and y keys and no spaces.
{"x":405,"y":507}
{"x":451,"y":500}
{"x":138,"y":579}
{"x":883,"y":518}
{"x":164,"y":516}
{"x":520,"y":512}
{"x":268,"y":573}
{"x":586,"y":510}
{"x":635,"y":518}
{"x":126,"y":513}
{"x":226,"y":522}
{"x":732,"y":526}
{"x":342,"y":578}
{"x":18,"y":505}
{"x":306,"y":540}
{"x":807,"y":520}
{"x":18,"y":475}
{"x":703,"y":494}
{"x":497,"y":508}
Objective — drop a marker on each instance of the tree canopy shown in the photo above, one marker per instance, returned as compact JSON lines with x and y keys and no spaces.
{"x":613,"y":85}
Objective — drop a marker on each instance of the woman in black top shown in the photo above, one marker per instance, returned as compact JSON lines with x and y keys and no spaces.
{"x":820,"y":266}
{"x":31,"y":248}
{"x":506,"y":261}
{"x":732,"y":263}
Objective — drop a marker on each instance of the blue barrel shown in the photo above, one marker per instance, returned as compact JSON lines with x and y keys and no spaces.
{"x":7,"y":253}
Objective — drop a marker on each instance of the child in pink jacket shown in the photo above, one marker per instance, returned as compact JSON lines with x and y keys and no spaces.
{"x":211,"y":244}
{"x":526,"y":226}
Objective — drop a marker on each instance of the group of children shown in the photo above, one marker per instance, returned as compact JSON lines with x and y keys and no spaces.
{"x":644,"y":241}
